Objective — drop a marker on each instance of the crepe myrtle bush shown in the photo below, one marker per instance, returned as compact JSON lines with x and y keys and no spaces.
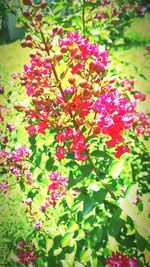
{"x":82,"y":192}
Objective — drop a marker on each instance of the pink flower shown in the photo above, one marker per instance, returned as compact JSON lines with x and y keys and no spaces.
{"x":57,"y":188}
{"x":38,"y":225}
{"x":120,"y":260}
{"x":28,"y":176}
{"x":4,"y":187}
{"x":76,"y":68}
{"x":148,"y":48}
{"x":42,"y":126}
{"x":21,"y":153}
{"x":32,"y":130}
{"x":100,"y":15}
{"x":120,"y":150}
{"x":29,"y":90}
{"x":26,"y":253}
{"x":68,"y":132}
{"x":10,"y":127}
{"x":60,"y":153}
{"x":116,"y":114}
{"x":140,"y":96}
{"x":86,"y":49}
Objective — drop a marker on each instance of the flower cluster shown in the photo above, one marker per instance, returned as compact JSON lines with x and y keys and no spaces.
{"x":115,"y":116}
{"x":142,"y":124}
{"x":120,"y":260}
{"x":85,"y":50}
{"x":26,"y":253}
{"x":101,"y":106}
{"x":75,"y":143}
{"x":15,"y":163}
{"x":56,"y":189}
{"x":127,"y":85}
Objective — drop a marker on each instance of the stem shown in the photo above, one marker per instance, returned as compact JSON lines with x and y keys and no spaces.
{"x":83,"y":18}
{"x":98,"y":174}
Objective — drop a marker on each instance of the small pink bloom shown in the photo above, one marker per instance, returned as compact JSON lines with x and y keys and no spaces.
{"x":140,"y":96}
{"x":38,"y":225}
{"x":120,"y":150}
{"x":120,"y":260}
{"x":76,"y":68}
{"x":60,"y":153}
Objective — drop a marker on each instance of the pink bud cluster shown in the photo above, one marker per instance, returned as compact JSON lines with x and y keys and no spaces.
{"x":35,"y":75}
{"x":121,"y":260}
{"x":56,"y":189}
{"x":26,"y":253}
{"x":15,"y":163}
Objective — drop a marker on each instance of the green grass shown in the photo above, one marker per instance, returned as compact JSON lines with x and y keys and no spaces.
{"x":139,"y":31}
{"x":135,"y":64}
{"x":12,"y":58}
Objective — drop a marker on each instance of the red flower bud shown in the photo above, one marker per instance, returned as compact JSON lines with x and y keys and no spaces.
{"x":71,"y":80}
{"x":83,"y":83}
{"x":43,"y":4}
{"x":64,"y":49}
{"x":23,"y":43}
{"x":39,"y":16}
{"x":58,"y":56}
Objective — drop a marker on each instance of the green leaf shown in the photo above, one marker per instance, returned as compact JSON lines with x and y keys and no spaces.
{"x":116,"y":223}
{"x":141,"y":222}
{"x":86,"y":170}
{"x":73,"y":226}
{"x":97,"y":234}
{"x":32,"y":140}
{"x":88,"y":205}
{"x":77,"y":264}
{"x":67,"y":240}
{"x":142,"y":244}
{"x":143,"y":76}
{"x":49,"y":164}
{"x":85,"y":255}
{"x":116,"y":168}
{"x":131,"y":192}
{"x":22,"y":186}
{"x":99,"y":196}
{"x":40,"y":262}
{"x":101,"y":154}
{"x":93,"y":259}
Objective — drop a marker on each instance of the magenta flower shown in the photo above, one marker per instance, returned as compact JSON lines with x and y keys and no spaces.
{"x":38,"y":225}
{"x":60,"y":153}
{"x":26,"y":253}
{"x":120,"y":150}
{"x":120,"y":260}
{"x":57,"y":188}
